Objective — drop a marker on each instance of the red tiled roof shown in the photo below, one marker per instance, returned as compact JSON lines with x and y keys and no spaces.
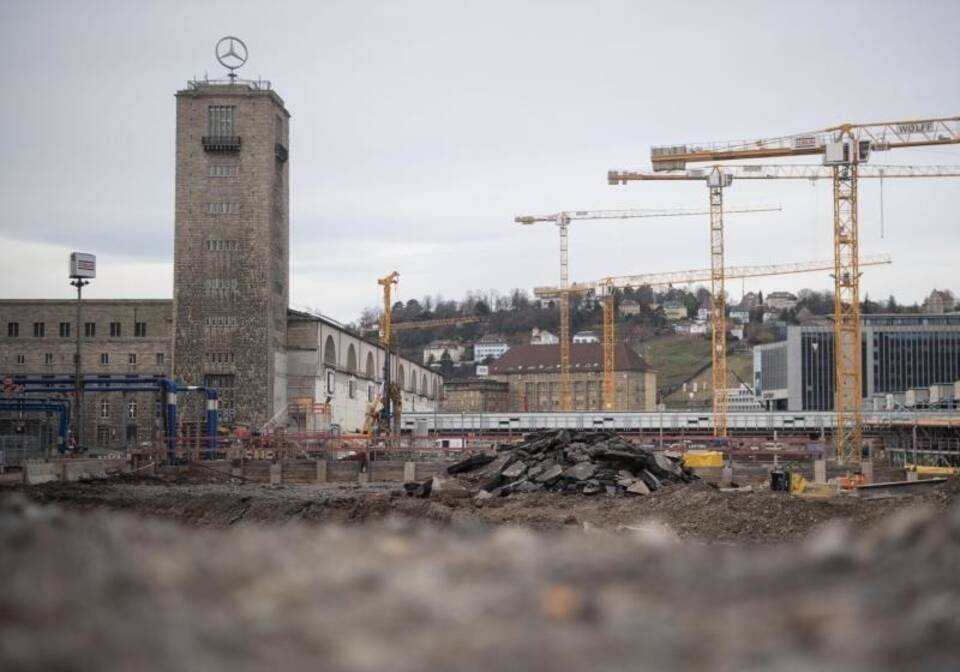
{"x":583,"y":357}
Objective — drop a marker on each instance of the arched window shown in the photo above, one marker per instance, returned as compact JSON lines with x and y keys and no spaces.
{"x":423,"y":385}
{"x":351,"y":359}
{"x":370,"y":365}
{"x":330,"y":352}
{"x":401,"y":379}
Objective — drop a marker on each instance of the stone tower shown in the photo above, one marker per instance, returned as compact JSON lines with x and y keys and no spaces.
{"x":231,"y":256}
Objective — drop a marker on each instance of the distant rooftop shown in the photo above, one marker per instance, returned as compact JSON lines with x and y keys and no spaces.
{"x":583,"y":357}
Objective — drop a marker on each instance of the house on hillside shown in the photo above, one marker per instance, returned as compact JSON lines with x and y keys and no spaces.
{"x":779,"y":301}
{"x":434,"y":350}
{"x":629,"y":307}
{"x":533,"y":374}
{"x":586,"y":337}
{"x":674,"y":310}
{"x":490,"y":345}
{"x":939,"y":302}
{"x":749,"y":301}
{"x":543,"y":337}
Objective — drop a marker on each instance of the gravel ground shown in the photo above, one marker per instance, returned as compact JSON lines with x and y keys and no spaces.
{"x":692,"y":511}
{"x":107,"y":590}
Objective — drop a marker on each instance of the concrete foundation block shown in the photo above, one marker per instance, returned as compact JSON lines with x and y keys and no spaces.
{"x":819,"y":471}
{"x":321,"y":471}
{"x":409,"y":472}
{"x":726,"y":477}
{"x":276,"y":474}
{"x":913,"y":475}
{"x":342,"y":471}
{"x":39,"y":472}
{"x":866,"y":470}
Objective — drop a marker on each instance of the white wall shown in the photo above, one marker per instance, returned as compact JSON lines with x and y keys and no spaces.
{"x":346,"y":411}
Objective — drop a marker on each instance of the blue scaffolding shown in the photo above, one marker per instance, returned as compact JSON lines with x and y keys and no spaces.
{"x":33,"y":384}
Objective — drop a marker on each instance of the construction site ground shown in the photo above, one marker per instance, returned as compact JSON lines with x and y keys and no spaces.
{"x":198,"y":572}
{"x":696,"y":512}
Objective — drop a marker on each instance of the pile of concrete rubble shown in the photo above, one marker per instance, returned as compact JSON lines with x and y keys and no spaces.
{"x":565,"y":462}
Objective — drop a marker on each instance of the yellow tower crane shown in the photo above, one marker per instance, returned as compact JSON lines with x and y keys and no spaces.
{"x":386,"y":332}
{"x":390,"y":393}
{"x":843,"y":149}
{"x":717,"y":178}
{"x":562,"y":221}
{"x":605,"y":288}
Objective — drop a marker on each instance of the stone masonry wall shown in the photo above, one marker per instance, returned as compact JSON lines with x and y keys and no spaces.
{"x":231,"y":269}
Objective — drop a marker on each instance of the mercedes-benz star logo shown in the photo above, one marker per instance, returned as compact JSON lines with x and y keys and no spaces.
{"x":231,"y":52}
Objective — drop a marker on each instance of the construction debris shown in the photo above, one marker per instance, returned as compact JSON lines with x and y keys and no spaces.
{"x":568,"y":462}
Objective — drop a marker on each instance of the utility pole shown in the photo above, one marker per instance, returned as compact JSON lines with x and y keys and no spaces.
{"x":83,"y":268}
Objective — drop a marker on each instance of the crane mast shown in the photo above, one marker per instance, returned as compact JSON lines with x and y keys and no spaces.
{"x":562,"y":220}
{"x":387,"y":327}
{"x":387,"y":282}
{"x":844,"y":149}
{"x":718,"y":312}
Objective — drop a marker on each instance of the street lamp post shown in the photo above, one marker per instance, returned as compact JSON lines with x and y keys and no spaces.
{"x":83,"y":268}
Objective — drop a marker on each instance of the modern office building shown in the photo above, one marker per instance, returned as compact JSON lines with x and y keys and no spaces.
{"x":899,"y":352}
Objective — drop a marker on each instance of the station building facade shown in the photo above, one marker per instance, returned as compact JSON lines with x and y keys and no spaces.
{"x":228,"y":325}
{"x":533,"y":375}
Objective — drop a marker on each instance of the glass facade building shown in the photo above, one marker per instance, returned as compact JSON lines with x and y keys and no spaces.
{"x":899,"y":352}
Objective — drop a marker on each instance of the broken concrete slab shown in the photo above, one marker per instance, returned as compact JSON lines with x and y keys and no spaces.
{"x":580,"y":472}
{"x":550,"y":474}
{"x":440,"y":485}
{"x":570,"y":462}
{"x":471,"y":463}
{"x":515,"y":470}
{"x":665,"y":464}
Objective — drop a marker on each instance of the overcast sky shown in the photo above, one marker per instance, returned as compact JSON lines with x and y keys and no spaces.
{"x":420,"y":129}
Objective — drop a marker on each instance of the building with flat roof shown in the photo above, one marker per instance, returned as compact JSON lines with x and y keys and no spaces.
{"x":476,"y":395}
{"x":128,"y":337}
{"x":899,"y":352}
